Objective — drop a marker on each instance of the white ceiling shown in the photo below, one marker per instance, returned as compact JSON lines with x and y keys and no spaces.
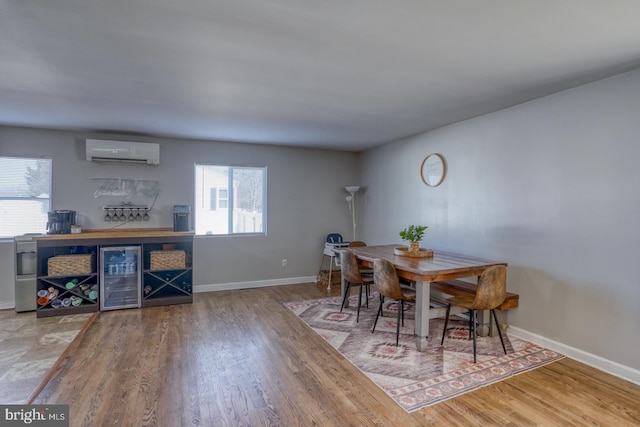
{"x":338,"y":74}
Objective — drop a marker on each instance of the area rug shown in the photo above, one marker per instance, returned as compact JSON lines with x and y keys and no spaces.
{"x":414,"y":379}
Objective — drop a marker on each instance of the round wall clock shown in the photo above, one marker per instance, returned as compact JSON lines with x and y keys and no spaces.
{"x":433,"y":170}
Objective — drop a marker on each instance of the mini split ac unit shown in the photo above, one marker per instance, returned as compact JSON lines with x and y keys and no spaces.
{"x":100,"y":150}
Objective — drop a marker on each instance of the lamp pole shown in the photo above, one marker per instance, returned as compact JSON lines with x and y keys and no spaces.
{"x":351,"y":199}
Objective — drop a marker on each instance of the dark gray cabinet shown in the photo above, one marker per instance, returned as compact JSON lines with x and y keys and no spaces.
{"x":158,"y":272}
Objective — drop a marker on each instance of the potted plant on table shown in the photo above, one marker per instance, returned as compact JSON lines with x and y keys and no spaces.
{"x":413,"y":234}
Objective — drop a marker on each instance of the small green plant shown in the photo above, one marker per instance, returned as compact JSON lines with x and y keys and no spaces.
{"x":413,"y":233}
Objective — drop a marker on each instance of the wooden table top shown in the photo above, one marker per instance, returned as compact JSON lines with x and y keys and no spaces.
{"x":442,"y":266}
{"x":116,"y":234}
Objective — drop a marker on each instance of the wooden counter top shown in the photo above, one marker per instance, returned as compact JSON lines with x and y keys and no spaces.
{"x":116,"y":234}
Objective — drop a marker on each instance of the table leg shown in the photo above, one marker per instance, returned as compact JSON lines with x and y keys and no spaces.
{"x":423,"y":293}
{"x":484,"y":317}
{"x":502,"y":321}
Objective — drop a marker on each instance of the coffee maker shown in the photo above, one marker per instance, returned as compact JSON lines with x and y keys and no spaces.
{"x":60,"y":221}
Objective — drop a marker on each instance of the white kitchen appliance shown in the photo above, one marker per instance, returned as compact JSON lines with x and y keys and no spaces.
{"x":26,"y":270}
{"x":102,"y":150}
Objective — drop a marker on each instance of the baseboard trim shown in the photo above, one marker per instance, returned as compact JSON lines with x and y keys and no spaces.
{"x":255,"y":284}
{"x":224,"y":286}
{"x":608,"y":366}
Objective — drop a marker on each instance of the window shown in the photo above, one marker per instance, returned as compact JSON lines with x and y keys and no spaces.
{"x":223,"y":199}
{"x":230,"y":200}
{"x":214,"y":198}
{"x":25,"y":189}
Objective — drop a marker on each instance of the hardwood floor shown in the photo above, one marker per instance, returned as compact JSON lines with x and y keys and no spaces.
{"x":240,"y":358}
{"x":29,"y":348}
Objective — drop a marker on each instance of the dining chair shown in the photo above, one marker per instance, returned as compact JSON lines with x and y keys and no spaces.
{"x":386,"y":279}
{"x":359,"y":244}
{"x":491,"y":292}
{"x":353,"y":276}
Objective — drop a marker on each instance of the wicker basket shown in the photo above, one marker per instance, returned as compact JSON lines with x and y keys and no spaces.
{"x":335,"y":277}
{"x":167,"y":260}
{"x":69,"y":265}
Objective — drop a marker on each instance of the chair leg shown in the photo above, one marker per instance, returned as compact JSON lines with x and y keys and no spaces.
{"x":359,"y":303}
{"x":367,"y":294}
{"x":398,"y":324}
{"x":330,"y":273}
{"x":320,"y":268}
{"x":473,"y":315}
{"x":499,"y":330}
{"x":346,"y":295}
{"x":446,"y":321}
{"x":378,"y":314}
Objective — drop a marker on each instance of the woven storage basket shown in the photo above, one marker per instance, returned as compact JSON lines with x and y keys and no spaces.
{"x":167,"y":260}
{"x":69,"y":265}
{"x":335,"y":277}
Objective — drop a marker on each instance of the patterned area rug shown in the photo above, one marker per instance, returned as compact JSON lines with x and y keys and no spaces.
{"x":417,"y":379}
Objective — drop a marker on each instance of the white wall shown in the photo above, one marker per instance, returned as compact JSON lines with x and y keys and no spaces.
{"x":306,"y":199}
{"x":549,"y":186}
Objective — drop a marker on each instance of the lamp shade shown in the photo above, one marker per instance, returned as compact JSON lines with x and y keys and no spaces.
{"x":352,"y":188}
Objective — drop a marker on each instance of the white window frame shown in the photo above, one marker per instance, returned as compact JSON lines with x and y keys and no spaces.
{"x":30,"y":220}
{"x":233,"y":217}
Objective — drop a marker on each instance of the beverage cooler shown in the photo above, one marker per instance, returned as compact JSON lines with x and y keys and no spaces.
{"x":120,"y":277}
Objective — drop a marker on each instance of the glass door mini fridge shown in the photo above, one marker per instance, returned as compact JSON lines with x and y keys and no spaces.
{"x":120,"y":277}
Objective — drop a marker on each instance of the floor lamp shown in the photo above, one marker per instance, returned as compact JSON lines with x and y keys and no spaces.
{"x":351,"y":200}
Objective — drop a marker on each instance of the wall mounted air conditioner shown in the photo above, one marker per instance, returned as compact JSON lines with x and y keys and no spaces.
{"x":101,"y":150}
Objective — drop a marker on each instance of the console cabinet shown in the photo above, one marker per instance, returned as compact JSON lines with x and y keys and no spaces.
{"x":71,"y":282}
{"x":67,"y":279}
{"x":166,"y":284}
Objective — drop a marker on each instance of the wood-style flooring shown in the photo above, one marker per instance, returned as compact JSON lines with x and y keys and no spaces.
{"x":29,"y":348}
{"x":240,"y":358}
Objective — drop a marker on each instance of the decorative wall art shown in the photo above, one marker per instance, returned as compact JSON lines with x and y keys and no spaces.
{"x":433,"y":170}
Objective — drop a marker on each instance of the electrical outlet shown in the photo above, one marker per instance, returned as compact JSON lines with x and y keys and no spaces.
{"x":284,"y":262}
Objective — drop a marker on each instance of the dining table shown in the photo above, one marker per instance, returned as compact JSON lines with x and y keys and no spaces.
{"x":423,"y":271}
